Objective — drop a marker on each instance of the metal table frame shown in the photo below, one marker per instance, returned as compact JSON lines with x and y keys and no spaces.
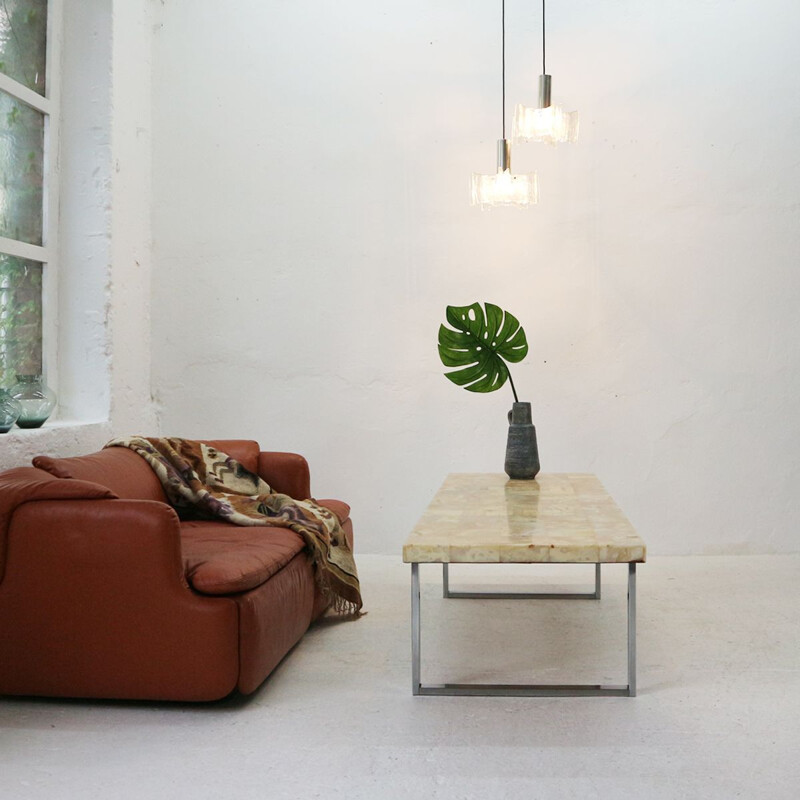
{"x":525,"y":689}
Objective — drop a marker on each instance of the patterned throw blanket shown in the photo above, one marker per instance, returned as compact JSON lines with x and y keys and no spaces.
{"x":207,"y":483}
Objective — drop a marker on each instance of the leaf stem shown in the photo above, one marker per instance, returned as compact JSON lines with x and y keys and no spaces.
{"x":516,"y":399}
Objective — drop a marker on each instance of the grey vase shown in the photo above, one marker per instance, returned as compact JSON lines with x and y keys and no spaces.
{"x":522,"y":452}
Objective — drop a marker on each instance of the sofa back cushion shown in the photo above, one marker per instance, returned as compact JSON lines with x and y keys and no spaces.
{"x":122,"y":471}
{"x":244,"y":451}
{"x":128,"y":475}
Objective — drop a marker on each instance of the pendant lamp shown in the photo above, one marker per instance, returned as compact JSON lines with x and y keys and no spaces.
{"x":504,"y":188}
{"x":546,"y":123}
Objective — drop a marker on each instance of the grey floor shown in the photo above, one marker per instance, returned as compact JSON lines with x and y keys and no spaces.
{"x":717,"y":716}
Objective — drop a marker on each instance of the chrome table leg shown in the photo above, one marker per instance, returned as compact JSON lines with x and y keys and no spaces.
{"x":447,"y":592}
{"x":526,"y":689}
{"x":415,"y":630}
{"x":632,"y":629}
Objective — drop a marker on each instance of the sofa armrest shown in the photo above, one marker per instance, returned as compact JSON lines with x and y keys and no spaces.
{"x":24,"y":484}
{"x":94,"y":603}
{"x":286,"y":473}
{"x":107,"y":542}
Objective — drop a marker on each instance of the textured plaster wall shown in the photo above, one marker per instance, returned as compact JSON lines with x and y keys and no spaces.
{"x":311,"y":222}
{"x":85,"y":213}
{"x":129,"y":324}
{"x":104,"y":246}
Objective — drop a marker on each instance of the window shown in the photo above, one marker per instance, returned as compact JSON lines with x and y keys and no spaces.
{"x":28,"y":187}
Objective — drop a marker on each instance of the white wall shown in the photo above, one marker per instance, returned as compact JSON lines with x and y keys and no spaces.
{"x":84,"y":214}
{"x":132,"y":409}
{"x":311,"y":223}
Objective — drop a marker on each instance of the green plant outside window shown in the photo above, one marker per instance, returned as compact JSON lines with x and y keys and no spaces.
{"x":23,"y":52}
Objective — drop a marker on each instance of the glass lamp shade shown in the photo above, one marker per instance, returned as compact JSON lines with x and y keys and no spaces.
{"x":505,"y":189}
{"x":552,"y":124}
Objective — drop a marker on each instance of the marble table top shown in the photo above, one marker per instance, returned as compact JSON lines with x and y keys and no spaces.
{"x":487,"y":518}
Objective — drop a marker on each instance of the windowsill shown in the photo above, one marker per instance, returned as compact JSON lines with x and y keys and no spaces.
{"x":61,"y":437}
{"x":53,"y":425}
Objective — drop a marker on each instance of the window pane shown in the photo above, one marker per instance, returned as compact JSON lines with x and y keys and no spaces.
{"x":21,"y":157}
{"x":20,"y":319}
{"x":23,"y":32}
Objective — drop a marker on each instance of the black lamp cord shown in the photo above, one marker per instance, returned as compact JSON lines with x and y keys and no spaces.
{"x":544,"y":68}
{"x":544,"y":53}
{"x":503,"y":21}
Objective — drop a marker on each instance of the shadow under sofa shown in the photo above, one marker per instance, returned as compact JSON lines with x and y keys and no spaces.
{"x":106,"y":593}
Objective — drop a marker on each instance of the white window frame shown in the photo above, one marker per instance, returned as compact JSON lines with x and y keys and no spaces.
{"x":47,"y":253}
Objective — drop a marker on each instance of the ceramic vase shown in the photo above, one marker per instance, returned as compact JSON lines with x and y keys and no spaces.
{"x":522,"y":451}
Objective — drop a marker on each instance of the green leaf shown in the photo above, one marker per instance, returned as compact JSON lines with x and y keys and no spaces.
{"x":480,"y":345}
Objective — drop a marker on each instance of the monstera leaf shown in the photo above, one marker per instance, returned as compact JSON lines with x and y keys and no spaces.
{"x":480,"y":345}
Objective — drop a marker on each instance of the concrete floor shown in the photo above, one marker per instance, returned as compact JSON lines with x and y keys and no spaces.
{"x":717,"y":716}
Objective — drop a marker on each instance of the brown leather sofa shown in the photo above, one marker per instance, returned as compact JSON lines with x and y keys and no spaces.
{"x":105,"y":593}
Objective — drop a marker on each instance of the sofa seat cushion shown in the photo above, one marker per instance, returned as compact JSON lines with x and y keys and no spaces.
{"x":221,"y":558}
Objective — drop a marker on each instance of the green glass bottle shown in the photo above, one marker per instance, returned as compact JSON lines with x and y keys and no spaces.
{"x":36,"y":400}
{"x":9,"y":411}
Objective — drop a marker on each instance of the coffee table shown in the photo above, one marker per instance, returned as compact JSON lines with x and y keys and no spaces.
{"x":555,"y":519}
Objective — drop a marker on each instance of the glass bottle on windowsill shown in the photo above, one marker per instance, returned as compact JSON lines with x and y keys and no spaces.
{"x":36,"y":400}
{"x":9,"y":411}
